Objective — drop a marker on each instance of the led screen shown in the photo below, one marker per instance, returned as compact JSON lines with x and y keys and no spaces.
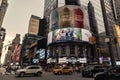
{"x":69,"y":34}
{"x":69,"y":16}
{"x":41,"y":53}
{"x":18,"y":52}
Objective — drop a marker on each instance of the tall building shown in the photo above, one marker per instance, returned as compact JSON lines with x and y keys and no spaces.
{"x":34,"y":41}
{"x":3,"y":8}
{"x":109,"y":20}
{"x":103,"y":17}
{"x":52,"y":4}
{"x":61,"y":20}
{"x":117,"y":9}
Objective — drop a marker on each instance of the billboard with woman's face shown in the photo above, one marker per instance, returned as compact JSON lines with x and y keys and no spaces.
{"x":69,"y":35}
{"x":78,"y":18}
{"x":69,"y":16}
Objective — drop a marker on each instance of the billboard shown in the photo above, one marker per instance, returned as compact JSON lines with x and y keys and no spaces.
{"x":33,"y":26}
{"x":117,"y":28}
{"x":42,"y":52}
{"x":18,"y":52}
{"x":54,"y":18}
{"x":69,"y":16}
{"x":69,"y":35}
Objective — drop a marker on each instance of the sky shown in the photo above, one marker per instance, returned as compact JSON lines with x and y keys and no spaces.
{"x":16,"y":20}
{"x":18,"y":14}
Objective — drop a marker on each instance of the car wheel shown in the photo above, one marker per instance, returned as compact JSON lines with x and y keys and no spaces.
{"x":83,"y":75}
{"x":59,"y":72}
{"x":99,"y":78}
{"x":39,"y":73}
{"x":22,"y":74}
{"x":93,"y":74}
{"x":70,"y":72}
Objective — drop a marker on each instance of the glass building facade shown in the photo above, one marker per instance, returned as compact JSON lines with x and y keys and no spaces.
{"x":109,"y":20}
{"x":76,"y":49}
{"x":117,"y":9}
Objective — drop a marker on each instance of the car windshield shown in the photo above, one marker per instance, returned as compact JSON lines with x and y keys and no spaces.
{"x":57,"y":67}
{"x":89,"y":67}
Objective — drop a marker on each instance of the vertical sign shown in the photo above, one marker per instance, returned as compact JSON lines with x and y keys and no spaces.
{"x":34,"y":26}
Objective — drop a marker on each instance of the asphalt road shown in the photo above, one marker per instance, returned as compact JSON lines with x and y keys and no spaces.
{"x":45,"y":76}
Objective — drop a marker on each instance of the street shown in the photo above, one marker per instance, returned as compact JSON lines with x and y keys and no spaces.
{"x":45,"y":76}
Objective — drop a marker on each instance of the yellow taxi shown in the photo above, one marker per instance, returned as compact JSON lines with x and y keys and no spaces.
{"x":63,"y":70}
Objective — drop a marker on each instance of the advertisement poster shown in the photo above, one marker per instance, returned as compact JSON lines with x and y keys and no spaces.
{"x":86,"y":35}
{"x":55,"y":18}
{"x":65,"y":17}
{"x":49,"y":38}
{"x":69,"y":34}
{"x":18,"y":53}
{"x":78,"y":18}
{"x":69,"y":16}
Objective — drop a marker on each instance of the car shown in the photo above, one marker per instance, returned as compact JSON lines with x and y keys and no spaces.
{"x":63,"y":70}
{"x":110,"y":74}
{"x":91,"y":70}
{"x":33,"y":69}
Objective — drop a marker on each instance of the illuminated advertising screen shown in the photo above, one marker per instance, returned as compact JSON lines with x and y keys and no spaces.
{"x":54,"y":20}
{"x":18,"y":53}
{"x":49,"y":40}
{"x":69,"y":34}
{"x":78,"y":18}
{"x":69,"y":16}
{"x":41,"y":53}
{"x":65,"y":17}
{"x":117,"y":28}
{"x":85,"y":35}
{"x":33,"y":26}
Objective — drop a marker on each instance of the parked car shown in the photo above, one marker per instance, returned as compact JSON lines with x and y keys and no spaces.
{"x":110,"y":74}
{"x":62,"y":70}
{"x":33,"y":69}
{"x":91,"y":70}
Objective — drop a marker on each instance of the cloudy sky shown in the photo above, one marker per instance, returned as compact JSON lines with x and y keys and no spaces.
{"x":16,"y":20}
{"x":18,"y":14}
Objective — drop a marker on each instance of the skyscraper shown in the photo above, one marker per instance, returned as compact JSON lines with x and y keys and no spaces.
{"x":103,"y":19}
{"x":109,"y":20}
{"x":3,"y":8}
{"x":117,"y":9}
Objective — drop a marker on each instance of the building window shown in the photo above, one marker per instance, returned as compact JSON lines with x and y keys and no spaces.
{"x":72,"y":2}
{"x":63,"y":49}
{"x":72,"y":49}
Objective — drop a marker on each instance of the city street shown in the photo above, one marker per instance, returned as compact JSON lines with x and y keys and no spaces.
{"x":45,"y":76}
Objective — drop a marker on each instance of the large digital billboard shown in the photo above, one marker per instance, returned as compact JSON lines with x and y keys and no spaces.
{"x":33,"y":25}
{"x":69,"y":35}
{"x":69,"y":16}
{"x":18,"y":48}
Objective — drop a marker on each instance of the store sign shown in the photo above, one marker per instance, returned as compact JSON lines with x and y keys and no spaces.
{"x":82,"y":60}
{"x":34,"y":26}
{"x":63,"y":60}
{"x":118,"y":63}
